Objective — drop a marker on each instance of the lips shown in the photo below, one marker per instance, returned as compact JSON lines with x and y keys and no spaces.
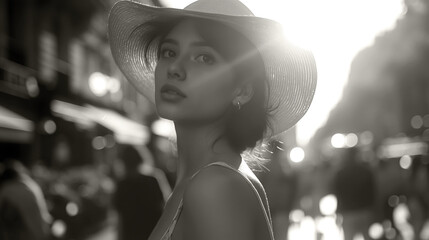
{"x":171,"y":92}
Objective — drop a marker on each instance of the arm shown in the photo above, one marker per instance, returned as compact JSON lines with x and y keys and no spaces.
{"x":219,"y":205}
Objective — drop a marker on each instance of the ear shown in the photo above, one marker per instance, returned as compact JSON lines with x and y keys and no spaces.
{"x":244,"y":93}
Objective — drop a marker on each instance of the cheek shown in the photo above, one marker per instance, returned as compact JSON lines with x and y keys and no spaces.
{"x":214,"y":95}
{"x":216,"y":81}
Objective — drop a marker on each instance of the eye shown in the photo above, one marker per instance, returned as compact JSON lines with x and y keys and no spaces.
{"x":167,"y":53}
{"x":205,"y":58}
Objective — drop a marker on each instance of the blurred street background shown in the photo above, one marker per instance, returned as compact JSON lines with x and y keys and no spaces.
{"x":73,"y":130}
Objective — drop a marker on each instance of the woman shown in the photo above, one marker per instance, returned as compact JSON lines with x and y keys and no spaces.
{"x":227,"y":79}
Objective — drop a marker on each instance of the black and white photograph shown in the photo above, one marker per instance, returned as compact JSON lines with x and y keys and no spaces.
{"x":214,"y":119}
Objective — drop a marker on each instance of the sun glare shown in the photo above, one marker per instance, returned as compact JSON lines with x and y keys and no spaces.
{"x":335,"y":31}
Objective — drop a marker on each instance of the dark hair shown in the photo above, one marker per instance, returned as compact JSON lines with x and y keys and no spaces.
{"x":247,"y":126}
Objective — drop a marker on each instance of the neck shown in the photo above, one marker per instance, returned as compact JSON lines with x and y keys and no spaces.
{"x":199,"y":145}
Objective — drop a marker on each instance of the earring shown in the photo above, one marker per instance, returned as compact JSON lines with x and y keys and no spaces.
{"x":238,"y":105}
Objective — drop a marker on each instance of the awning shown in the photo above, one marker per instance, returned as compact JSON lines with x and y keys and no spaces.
{"x":126,"y":131}
{"x":14,"y":127}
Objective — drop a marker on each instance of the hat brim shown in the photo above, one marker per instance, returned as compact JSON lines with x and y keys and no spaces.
{"x":290,"y":70}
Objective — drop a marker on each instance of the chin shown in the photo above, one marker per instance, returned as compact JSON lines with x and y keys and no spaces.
{"x":170,"y":112}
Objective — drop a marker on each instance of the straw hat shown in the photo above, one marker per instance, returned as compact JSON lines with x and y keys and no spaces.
{"x":290,"y":70}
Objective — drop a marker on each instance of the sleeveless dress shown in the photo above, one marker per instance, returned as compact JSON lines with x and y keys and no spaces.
{"x":170,"y":229}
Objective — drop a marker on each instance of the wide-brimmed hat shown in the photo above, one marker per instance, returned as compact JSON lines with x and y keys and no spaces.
{"x":290,"y":70}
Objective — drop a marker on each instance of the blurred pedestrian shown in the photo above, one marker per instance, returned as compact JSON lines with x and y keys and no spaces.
{"x":138,"y":199}
{"x":354,"y":187}
{"x":227,"y":79}
{"x":23,"y":210}
{"x":418,"y":195}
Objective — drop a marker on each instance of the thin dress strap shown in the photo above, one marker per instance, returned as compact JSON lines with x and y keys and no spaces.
{"x":170,"y":229}
{"x":169,"y":232}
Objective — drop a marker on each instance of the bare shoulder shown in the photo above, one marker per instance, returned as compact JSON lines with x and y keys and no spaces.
{"x":219,"y":204}
{"x":218,"y":182}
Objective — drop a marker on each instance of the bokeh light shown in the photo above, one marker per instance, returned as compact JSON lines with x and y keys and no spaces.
{"x":98,"y":84}
{"x":405,"y":162}
{"x":72,"y":209}
{"x":49,"y":126}
{"x":351,"y":140}
{"x":297,"y":154}
{"x":376,"y":231}
{"x":328,"y":204}
{"x":393,"y":201}
{"x":32,"y":87}
{"x":296,"y":215}
{"x":98,"y":142}
{"x":338,"y":140}
{"x":58,"y":228}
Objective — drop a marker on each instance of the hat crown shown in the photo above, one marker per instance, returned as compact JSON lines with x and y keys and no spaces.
{"x":224,"y":7}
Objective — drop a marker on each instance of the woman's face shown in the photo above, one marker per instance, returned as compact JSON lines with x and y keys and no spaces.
{"x":193,"y":81}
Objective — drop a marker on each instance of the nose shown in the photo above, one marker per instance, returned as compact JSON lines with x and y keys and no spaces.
{"x":176,"y":71}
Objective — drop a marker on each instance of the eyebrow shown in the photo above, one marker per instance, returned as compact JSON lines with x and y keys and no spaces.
{"x":169,"y":40}
{"x":196,"y":44}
